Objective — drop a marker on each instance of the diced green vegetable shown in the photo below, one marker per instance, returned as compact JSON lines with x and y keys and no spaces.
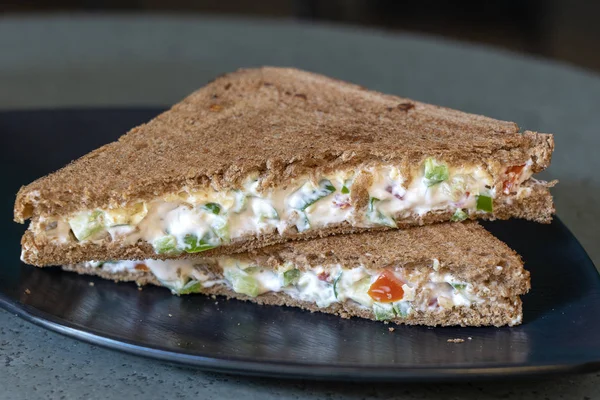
{"x":213,"y":208}
{"x":302,"y":223}
{"x":345,"y":190}
{"x":263,"y":210}
{"x":485,"y":203}
{"x":458,"y":286}
{"x":252,"y":269}
{"x":335,"y":284}
{"x":307,"y":195}
{"x":291,"y":277}
{"x":402,"y":308}
{"x":243,"y":283}
{"x":192,"y":286}
{"x":195,"y":245}
{"x":221,"y":228}
{"x":241,"y":200}
{"x":86,"y":224}
{"x":166,"y":245}
{"x":359,"y":292}
{"x":383,"y":311}
{"x":459,"y":215}
{"x":434,"y":172}
{"x":377,"y":217}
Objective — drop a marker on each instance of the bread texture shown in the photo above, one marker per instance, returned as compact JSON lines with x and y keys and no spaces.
{"x":280,"y":123}
{"x":467,"y":251}
{"x":37,"y":251}
{"x":507,"y":311}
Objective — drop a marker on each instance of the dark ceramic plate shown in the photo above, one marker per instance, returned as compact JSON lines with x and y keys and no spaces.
{"x":559,"y":333}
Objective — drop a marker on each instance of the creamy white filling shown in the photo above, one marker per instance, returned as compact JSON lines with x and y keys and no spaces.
{"x":322,"y":285}
{"x":304,"y":204}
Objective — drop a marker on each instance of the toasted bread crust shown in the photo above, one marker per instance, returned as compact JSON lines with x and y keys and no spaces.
{"x":281,"y":123}
{"x":506,"y":310}
{"x":538,"y":207}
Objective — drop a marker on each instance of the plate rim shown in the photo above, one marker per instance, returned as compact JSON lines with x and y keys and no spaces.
{"x":300,"y":370}
{"x":277,"y":369}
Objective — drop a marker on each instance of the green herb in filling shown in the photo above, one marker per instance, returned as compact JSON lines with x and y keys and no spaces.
{"x":213,"y":208}
{"x":302,"y":223}
{"x":195,"y":245}
{"x":335,"y":284}
{"x":377,"y":217}
{"x":306,"y":196}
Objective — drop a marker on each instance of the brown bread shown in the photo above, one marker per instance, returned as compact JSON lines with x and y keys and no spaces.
{"x":281,"y":123}
{"x":465,"y":250}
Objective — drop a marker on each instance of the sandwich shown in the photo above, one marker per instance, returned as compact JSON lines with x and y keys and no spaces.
{"x":444,"y":274}
{"x":265,"y":156}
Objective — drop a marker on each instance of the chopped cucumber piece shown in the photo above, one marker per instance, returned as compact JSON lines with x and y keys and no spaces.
{"x":458,"y":286}
{"x":241,"y":200}
{"x":402,"y":308}
{"x":166,"y":245}
{"x":302,"y":223}
{"x":86,"y":224}
{"x":434,"y":172}
{"x":192,"y":286}
{"x":263,"y":210}
{"x":251,"y":269}
{"x":485,"y":203}
{"x":221,"y":228}
{"x":213,"y":208}
{"x":291,"y":277}
{"x":459,"y":215}
{"x":307,"y":195}
{"x":383,"y":311}
{"x":359,"y":292}
{"x":243,"y":283}
{"x":195,"y":245}
{"x":377,"y":217}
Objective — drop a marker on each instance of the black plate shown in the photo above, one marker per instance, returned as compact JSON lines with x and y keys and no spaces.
{"x":559,"y":334}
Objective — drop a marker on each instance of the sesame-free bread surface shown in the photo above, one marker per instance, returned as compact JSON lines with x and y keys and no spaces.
{"x":281,"y":123}
{"x":467,"y":251}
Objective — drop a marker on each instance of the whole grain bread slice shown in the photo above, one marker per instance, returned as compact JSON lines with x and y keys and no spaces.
{"x":467,"y":251}
{"x":281,"y":123}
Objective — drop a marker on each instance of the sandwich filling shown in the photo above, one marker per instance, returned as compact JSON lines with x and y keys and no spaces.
{"x":193,"y":221}
{"x":390,"y":293}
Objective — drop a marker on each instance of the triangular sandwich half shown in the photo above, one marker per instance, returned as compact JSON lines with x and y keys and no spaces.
{"x":264,"y":156}
{"x":443,"y":274}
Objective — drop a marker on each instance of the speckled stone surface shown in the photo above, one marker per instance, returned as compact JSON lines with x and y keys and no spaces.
{"x":70,"y":61}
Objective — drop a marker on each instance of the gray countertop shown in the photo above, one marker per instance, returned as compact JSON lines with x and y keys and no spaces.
{"x":74,"y":61}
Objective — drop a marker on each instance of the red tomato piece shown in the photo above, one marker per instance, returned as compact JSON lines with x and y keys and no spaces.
{"x":386,"y":288}
{"x":142,"y":267}
{"x":513,"y":173}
